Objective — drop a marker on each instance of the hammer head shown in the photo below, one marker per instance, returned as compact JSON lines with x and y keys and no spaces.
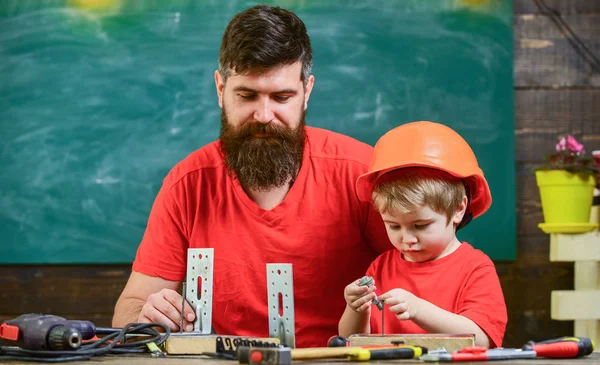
{"x":265,"y":355}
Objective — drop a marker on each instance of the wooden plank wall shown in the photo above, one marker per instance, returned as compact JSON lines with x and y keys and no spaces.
{"x":555,"y":93}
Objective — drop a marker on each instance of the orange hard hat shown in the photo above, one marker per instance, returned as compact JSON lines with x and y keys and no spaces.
{"x":430,"y":145}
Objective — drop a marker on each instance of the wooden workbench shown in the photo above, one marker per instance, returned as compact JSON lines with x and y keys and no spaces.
{"x":198,"y":360}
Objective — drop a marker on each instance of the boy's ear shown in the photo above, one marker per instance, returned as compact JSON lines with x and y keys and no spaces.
{"x":460,"y":211}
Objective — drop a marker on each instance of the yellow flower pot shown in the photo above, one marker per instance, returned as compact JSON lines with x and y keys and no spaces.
{"x":566,"y":201}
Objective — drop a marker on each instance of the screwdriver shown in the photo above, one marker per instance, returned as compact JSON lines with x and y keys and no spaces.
{"x":563,"y":347}
{"x":559,"y":348}
{"x":479,"y":353}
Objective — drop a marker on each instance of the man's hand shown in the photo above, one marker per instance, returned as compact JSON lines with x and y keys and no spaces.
{"x":404,"y":304}
{"x":165,"y":307}
{"x":151,"y":299}
{"x":359,"y":298}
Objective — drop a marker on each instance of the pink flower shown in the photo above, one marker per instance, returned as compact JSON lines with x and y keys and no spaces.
{"x":573,"y":145}
{"x":569,"y":156}
{"x":561,"y":145}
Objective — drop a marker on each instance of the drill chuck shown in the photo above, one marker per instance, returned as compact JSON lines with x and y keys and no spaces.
{"x":64,"y":338}
{"x":43,"y":332}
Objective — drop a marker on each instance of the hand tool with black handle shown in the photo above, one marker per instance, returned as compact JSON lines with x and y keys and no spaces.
{"x":351,"y":353}
{"x":559,"y":348}
{"x":479,"y":353}
{"x":562,"y":348}
{"x":390,"y":353}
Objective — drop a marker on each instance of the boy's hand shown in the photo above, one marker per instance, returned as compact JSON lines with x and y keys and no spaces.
{"x":402,"y":303}
{"x":359,"y":298}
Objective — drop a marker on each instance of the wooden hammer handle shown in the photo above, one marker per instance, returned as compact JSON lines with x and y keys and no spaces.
{"x":322,"y":352}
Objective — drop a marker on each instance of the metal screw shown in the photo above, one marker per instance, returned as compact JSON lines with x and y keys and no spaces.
{"x":368,"y":281}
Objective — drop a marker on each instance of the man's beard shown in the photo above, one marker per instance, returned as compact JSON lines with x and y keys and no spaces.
{"x":262,"y":163}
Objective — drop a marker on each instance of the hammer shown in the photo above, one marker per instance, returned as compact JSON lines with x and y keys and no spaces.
{"x":284,"y":355}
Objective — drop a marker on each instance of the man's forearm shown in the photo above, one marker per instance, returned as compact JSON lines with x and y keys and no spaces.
{"x":127,"y":310}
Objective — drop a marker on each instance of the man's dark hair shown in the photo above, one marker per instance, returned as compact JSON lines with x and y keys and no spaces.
{"x":263,"y":37}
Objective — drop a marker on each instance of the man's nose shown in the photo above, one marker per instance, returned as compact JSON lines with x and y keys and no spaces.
{"x":264,"y":111}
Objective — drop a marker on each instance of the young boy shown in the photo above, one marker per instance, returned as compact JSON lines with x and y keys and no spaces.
{"x":425,"y":182}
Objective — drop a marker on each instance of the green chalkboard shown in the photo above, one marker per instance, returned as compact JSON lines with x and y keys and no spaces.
{"x":99,"y":99}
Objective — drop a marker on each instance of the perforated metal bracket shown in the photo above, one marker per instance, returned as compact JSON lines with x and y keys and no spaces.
{"x":199,"y":286}
{"x":280,"y":289}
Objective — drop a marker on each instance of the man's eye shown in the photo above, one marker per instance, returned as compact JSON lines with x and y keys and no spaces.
{"x":247,"y":96}
{"x":282,"y":98}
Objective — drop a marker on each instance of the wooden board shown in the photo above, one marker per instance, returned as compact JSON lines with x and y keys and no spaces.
{"x":73,"y":291}
{"x":576,"y":247}
{"x":431,"y":340}
{"x":587,"y":277}
{"x":584,"y":250}
{"x":562,"y":6}
{"x":195,"y":344}
{"x":577,"y":304}
{"x":545,"y":58}
{"x":543,"y":115}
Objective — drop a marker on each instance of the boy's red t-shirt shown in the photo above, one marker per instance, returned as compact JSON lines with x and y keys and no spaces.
{"x":464,"y":282}
{"x":321,"y":228}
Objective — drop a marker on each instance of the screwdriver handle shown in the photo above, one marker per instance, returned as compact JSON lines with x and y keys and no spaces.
{"x":558,"y":350}
{"x":398,"y":352}
{"x":563,"y":348}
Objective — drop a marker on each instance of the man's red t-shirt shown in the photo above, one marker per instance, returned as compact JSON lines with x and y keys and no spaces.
{"x":321,"y":228}
{"x":464,"y":282}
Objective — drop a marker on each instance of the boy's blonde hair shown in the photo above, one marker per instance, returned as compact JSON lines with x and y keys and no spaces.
{"x":407,"y":189}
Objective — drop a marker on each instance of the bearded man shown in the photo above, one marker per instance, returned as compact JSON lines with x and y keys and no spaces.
{"x":270,"y":190}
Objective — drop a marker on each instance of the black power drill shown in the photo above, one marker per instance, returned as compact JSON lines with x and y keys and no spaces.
{"x":46,"y":332}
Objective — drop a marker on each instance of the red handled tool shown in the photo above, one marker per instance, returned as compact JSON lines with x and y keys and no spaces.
{"x":480,"y":353}
{"x":560,"y":348}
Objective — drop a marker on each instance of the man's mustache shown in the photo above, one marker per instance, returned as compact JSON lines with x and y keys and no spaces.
{"x":252,"y":129}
